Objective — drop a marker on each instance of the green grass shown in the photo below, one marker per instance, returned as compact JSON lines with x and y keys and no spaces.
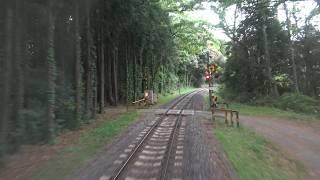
{"x":253,"y":157}
{"x":272,"y":112}
{"x":268,"y":111}
{"x":163,"y":99}
{"x":71,"y":158}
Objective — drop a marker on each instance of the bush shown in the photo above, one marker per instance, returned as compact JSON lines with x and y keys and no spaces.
{"x":34,"y":127}
{"x":229,"y":95}
{"x":298,"y":103}
{"x":263,"y":101}
{"x":289,"y":101}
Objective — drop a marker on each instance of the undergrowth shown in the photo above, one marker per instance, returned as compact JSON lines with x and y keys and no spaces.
{"x":64,"y":164}
{"x":165,"y":98}
{"x":290,"y":105}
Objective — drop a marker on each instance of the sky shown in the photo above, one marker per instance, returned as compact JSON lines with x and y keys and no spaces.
{"x":209,"y":15}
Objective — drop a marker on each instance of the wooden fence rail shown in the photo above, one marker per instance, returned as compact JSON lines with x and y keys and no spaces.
{"x":228,"y":113}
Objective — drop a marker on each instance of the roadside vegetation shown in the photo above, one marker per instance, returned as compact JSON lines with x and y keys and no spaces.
{"x":272,"y":68}
{"x":254,"y":110}
{"x":271,"y":55}
{"x":291,"y":106}
{"x":165,"y":98}
{"x":253,"y":157}
{"x":74,"y":156}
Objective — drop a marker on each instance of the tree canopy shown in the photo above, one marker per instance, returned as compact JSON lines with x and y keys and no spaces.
{"x":64,"y":61}
{"x":269,"y":57}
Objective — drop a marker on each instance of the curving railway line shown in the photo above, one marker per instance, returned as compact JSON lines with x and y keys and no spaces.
{"x":158,"y":150}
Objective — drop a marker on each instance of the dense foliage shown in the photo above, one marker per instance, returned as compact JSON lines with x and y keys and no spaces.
{"x":267,"y":57}
{"x":299,"y":103}
{"x":63,"y":61}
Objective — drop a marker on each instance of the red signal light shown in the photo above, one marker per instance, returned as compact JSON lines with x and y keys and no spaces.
{"x":207,"y":75}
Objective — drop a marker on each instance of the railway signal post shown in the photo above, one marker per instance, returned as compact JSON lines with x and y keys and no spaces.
{"x":210,"y":74}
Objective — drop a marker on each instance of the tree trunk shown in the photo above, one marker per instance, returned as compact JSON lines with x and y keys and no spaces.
{"x":6,"y":81}
{"x":115,"y":77}
{"x":292,"y":55}
{"x":102,"y":75}
{"x":135,"y":78}
{"x":17,"y":125}
{"x":77,"y":67}
{"x":186,"y":76}
{"x":153,"y":72}
{"x":127,"y":74}
{"x":274,"y":88}
{"x":309,"y":90}
{"x":96,"y":82}
{"x":162,"y":80}
{"x":110,"y":84}
{"x":141,"y":84}
{"x":89,"y":64}
{"x":51,"y":95}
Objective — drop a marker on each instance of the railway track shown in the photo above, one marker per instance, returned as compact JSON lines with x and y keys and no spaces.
{"x":151,"y":156}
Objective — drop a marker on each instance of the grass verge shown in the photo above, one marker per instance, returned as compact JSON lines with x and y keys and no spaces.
{"x":252,"y":110}
{"x":64,"y":164}
{"x":163,"y":99}
{"x":273,"y":112}
{"x":253,"y":157}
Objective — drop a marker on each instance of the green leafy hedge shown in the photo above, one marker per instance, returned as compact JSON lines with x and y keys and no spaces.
{"x":299,"y":103}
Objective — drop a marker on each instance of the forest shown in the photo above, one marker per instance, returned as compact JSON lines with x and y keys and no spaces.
{"x":62,"y":62}
{"x":269,"y":57}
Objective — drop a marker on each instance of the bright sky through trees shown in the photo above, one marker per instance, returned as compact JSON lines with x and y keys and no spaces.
{"x":207,"y":14}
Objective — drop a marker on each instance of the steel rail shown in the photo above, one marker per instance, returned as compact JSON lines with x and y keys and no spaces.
{"x":172,"y":140}
{"x":150,"y":131}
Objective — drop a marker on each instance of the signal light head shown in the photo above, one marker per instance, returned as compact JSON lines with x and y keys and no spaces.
{"x":207,"y":75}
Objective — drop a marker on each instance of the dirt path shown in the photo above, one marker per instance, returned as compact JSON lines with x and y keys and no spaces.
{"x":298,"y":140}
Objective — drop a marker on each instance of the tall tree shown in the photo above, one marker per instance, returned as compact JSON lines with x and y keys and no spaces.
{"x":102,"y":72}
{"x":89,"y":62}
{"x":77,"y":65}
{"x":51,"y":65}
{"x":16,"y":130}
{"x":291,"y":47}
{"x":274,"y":88}
{"x":9,"y":19}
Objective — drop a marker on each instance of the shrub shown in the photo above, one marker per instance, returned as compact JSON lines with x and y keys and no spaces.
{"x":230,"y":96}
{"x":299,"y":103}
{"x":34,"y":126}
{"x":263,"y":101}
